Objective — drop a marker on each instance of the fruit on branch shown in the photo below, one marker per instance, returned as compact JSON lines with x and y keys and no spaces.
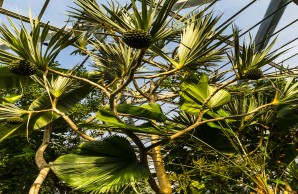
{"x":138,"y":39}
{"x":14,"y":120}
{"x":22,"y":67}
{"x":254,"y":74}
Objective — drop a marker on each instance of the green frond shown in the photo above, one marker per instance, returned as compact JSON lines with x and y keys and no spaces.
{"x":112,"y":122}
{"x":150,"y":111}
{"x":152,"y":18}
{"x":197,"y":44}
{"x":249,"y":58}
{"x":89,"y":11}
{"x":242,"y":105}
{"x":10,"y":110}
{"x":58,"y":85}
{"x":27,"y":44}
{"x":184,"y":119}
{"x":114,"y":60}
{"x":101,"y":166}
{"x":193,"y":96}
{"x":286,"y":91}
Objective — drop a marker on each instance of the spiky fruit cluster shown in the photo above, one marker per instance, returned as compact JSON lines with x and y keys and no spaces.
{"x":254,"y":74}
{"x":14,"y":120}
{"x":22,"y":67}
{"x":138,"y":39}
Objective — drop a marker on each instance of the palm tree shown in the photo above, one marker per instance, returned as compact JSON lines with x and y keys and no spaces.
{"x":228,"y":129}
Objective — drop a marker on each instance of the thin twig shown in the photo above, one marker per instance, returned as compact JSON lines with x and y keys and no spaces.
{"x":198,"y":123}
{"x":158,"y":75}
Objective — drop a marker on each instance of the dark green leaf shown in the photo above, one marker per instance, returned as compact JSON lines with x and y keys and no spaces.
{"x":101,"y":166}
{"x":150,"y":111}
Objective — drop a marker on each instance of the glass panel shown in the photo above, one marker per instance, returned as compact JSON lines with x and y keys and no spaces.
{"x":22,"y":7}
{"x":56,"y":14}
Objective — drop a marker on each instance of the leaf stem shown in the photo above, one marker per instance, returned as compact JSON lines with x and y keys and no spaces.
{"x":81,"y":79}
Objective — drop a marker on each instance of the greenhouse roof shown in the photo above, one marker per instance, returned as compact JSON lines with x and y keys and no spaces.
{"x":249,"y":16}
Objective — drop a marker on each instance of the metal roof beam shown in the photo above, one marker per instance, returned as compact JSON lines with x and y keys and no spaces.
{"x":45,"y":5}
{"x":24,"y":18}
{"x":268,"y":26}
{"x":1,"y":3}
{"x":189,"y":3}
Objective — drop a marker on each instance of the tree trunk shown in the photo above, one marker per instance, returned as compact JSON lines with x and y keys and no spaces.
{"x":40,"y":161}
{"x":162,"y":177}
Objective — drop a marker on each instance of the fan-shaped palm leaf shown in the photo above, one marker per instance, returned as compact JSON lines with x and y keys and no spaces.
{"x":10,"y":110}
{"x":193,"y":96}
{"x":59,"y":85}
{"x":198,"y":41}
{"x":286,"y":91}
{"x":101,"y":166}
{"x":242,"y":105}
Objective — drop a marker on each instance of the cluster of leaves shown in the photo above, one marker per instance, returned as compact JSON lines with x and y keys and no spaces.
{"x":18,"y":154}
{"x":242,"y":136}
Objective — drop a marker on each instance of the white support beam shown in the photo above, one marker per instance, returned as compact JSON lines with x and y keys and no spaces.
{"x":189,"y":3}
{"x":267,"y":28}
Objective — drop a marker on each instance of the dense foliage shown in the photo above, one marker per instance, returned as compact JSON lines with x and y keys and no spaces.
{"x":156,"y":111}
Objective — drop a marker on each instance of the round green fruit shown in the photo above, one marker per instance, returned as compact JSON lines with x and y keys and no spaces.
{"x":22,"y":67}
{"x":138,"y":39}
{"x":14,"y":120}
{"x":254,"y":74}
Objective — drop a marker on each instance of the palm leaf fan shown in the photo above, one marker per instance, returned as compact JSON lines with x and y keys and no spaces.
{"x":101,"y":166}
{"x":8,"y":111}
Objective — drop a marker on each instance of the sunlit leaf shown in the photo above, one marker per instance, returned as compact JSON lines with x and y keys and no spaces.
{"x":101,"y":166}
{"x":193,"y":96}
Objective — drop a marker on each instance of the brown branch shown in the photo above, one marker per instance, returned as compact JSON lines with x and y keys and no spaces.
{"x":155,"y":64}
{"x":129,"y":79}
{"x":39,"y":111}
{"x":158,"y":75}
{"x":139,"y":89}
{"x":163,"y":180}
{"x":90,"y":119}
{"x":166,"y":97}
{"x":198,"y":123}
{"x":73,"y":126}
{"x":40,"y":161}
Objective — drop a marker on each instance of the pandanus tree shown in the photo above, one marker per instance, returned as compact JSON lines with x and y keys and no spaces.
{"x":146,"y":59}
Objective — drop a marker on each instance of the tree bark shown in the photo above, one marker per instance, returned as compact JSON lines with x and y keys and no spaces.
{"x":162,"y":177}
{"x":40,"y":161}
